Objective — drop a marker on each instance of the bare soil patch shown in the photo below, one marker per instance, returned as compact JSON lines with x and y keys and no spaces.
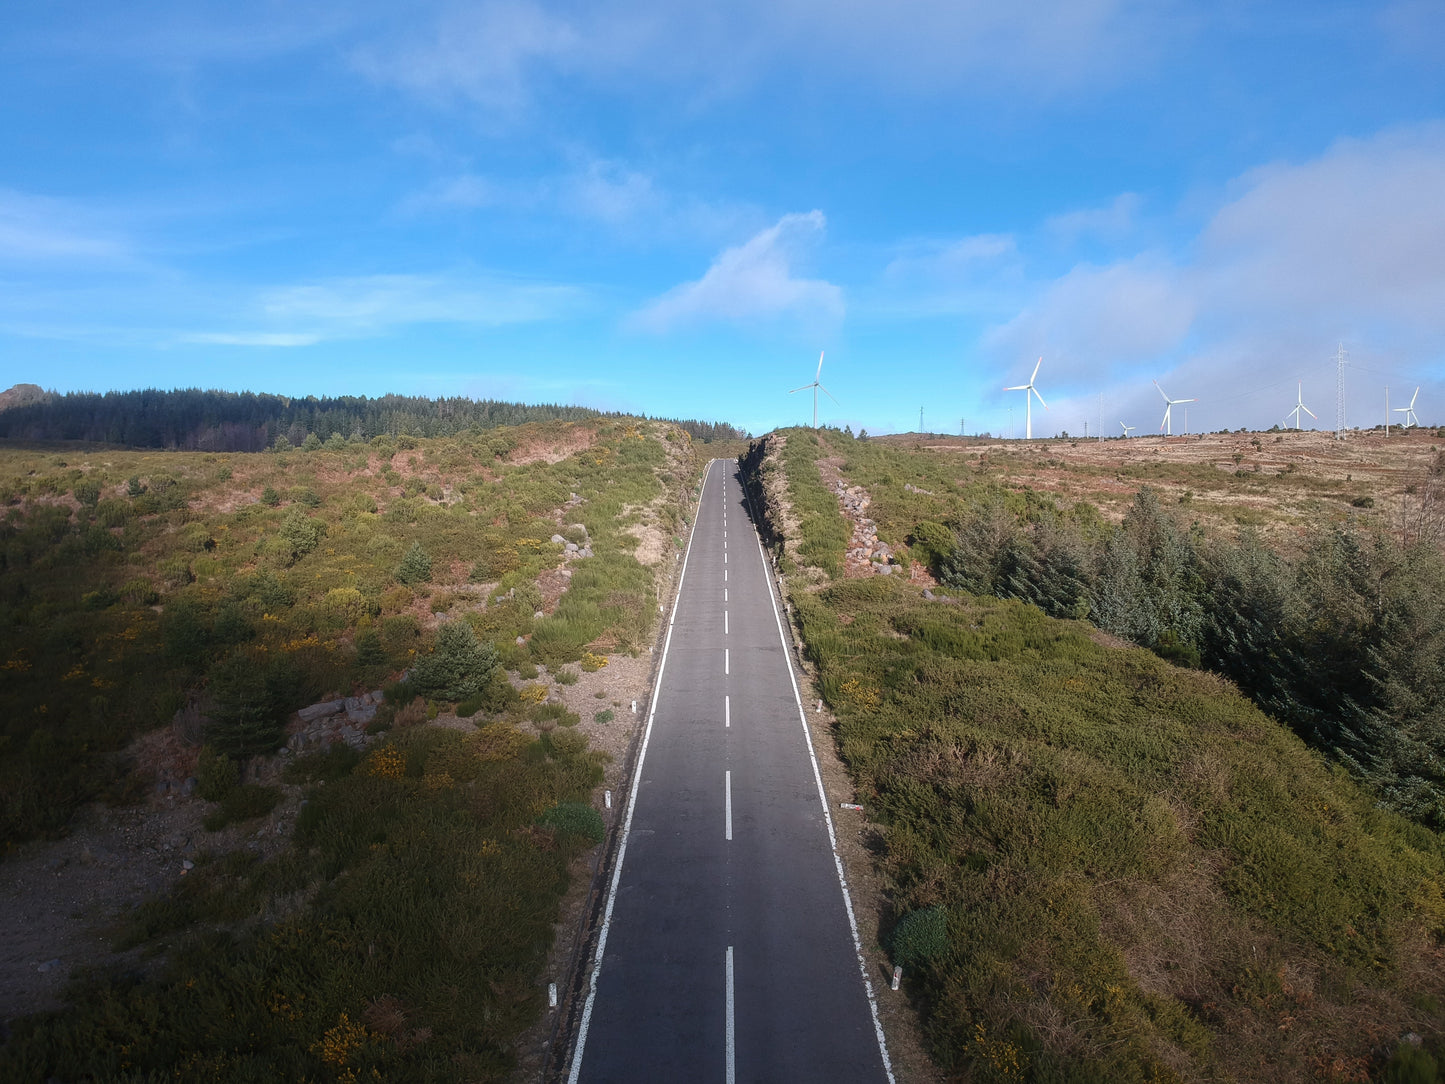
{"x":553,"y":447}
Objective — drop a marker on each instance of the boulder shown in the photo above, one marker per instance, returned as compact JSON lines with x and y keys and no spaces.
{"x":361,"y":714}
{"x":559,"y":540}
{"x":321,"y":710}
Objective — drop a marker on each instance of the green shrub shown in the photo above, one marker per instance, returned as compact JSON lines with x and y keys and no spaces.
{"x":270,"y":497}
{"x":1411,"y":1065}
{"x":253,"y":696}
{"x":244,"y":802}
{"x":605,"y":716}
{"x":216,"y":774}
{"x":459,"y":665}
{"x":415,"y":567}
{"x":87,"y":493}
{"x":920,"y":937}
{"x":324,"y":765}
{"x":566,"y":677}
{"x":575,"y":818}
{"x":553,"y":713}
{"x":300,"y":534}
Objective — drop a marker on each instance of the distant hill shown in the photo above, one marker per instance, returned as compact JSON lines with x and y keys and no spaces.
{"x":23,"y":395}
{"x":224,"y":421}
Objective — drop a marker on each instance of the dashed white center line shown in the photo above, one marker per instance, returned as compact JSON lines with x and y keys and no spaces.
{"x":725,"y":574}
{"x":728,"y":804}
{"x":725,"y":594}
{"x":725,"y":622}
{"x":732,"y":1075}
{"x":727,"y":711}
{"x":725,"y":661}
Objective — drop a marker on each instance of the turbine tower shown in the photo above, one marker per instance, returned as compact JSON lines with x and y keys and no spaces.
{"x":1169,"y":404}
{"x":815,"y":385}
{"x":1127,"y":429}
{"x":1298,"y":406}
{"x":1029,"y":392}
{"x":1409,"y":412}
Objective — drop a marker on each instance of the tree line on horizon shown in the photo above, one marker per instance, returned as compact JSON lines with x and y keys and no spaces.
{"x":192,"y":419}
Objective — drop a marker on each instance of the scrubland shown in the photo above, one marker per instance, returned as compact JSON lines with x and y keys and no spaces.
{"x":400,"y":932}
{"x":1103,"y":861}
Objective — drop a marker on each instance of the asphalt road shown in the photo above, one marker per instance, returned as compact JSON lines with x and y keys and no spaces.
{"x":727,"y":950}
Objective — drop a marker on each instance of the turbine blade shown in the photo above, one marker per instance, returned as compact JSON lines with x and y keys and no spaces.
{"x":1040,"y":397}
{"x":830,"y":395}
{"x":1310,"y":412}
{"x":1161,"y":391}
{"x":1036,"y":369}
{"x":1413,"y":398}
{"x":819,"y":374}
{"x":805,"y":387}
{"x":1186,"y":400}
{"x":1165,"y":420}
{"x":1020,"y":387}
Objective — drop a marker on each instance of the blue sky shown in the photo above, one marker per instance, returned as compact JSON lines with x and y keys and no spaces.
{"x":663,"y":208}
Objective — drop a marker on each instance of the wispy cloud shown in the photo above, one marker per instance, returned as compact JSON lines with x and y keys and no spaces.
{"x":753,"y":281}
{"x":251,"y":338}
{"x":366,"y":306}
{"x":630,"y":203}
{"x":485,"y":54}
{"x":1109,"y":223}
{"x":497,"y":55}
{"x":40,"y":232}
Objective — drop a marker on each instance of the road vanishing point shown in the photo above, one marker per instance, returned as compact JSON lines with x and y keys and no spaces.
{"x":728,"y":949}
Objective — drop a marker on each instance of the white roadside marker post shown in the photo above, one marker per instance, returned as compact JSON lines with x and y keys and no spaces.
{"x":551,"y":995}
{"x":897,"y":977}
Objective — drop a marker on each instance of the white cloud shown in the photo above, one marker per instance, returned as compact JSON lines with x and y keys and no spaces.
{"x":1349,"y":245}
{"x":1101,"y":316}
{"x":753,"y":281}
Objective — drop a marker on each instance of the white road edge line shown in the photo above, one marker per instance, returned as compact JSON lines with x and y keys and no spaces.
{"x":827,"y":817}
{"x":576,"y":1072}
{"x":728,"y":804}
{"x":732,"y":1074}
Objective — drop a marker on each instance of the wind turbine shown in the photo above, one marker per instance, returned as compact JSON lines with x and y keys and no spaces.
{"x":1169,"y":404}
{"x":1300,"y":405}
{"x":1409,"y":411}
{"x":815,"y":385}
{"x":1127,"y":429}
{"x":1029,"y":392}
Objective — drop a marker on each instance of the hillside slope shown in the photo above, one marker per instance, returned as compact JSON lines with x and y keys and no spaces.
{"x":1098,"y":865}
